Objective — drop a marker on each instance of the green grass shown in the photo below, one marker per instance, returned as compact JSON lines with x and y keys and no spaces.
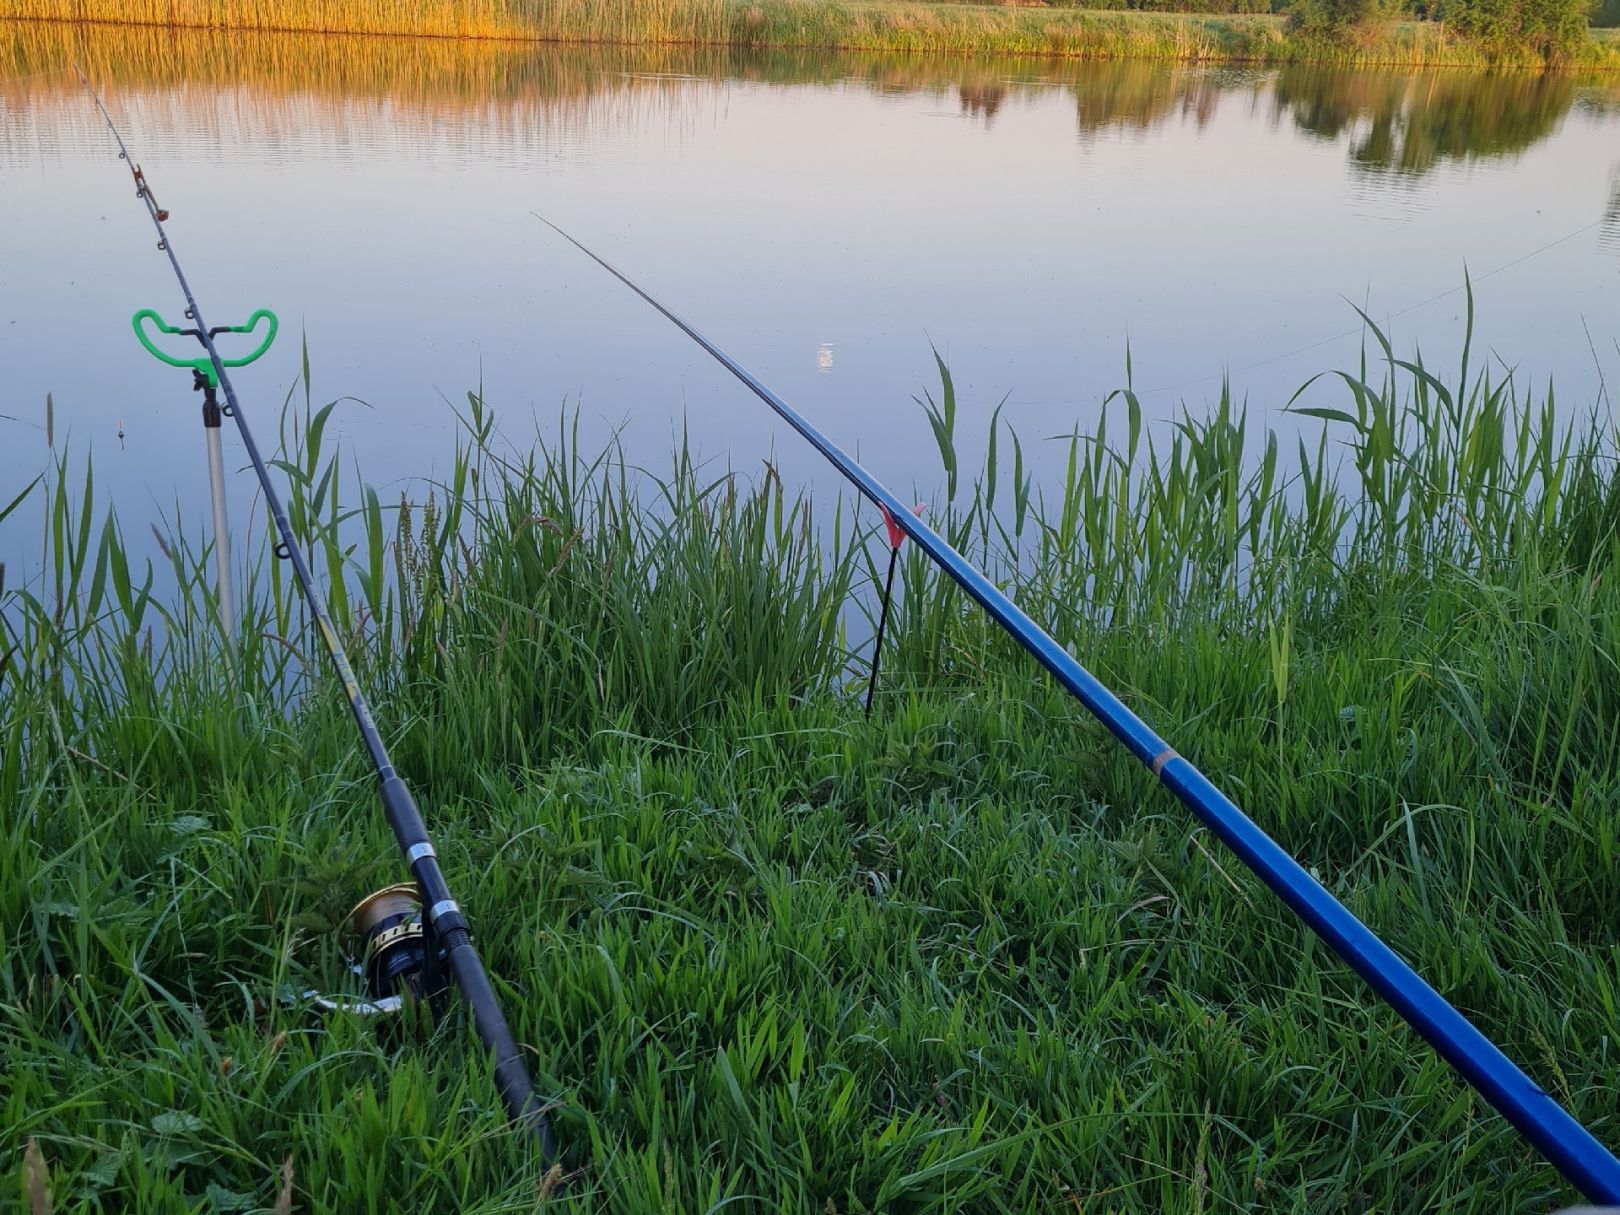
{"x":904,"y":26}
{"x":967,"y":956}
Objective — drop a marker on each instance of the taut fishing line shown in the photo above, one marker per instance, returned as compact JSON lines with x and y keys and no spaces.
{"x":1347,"y":333}
{"x":1387,"y":317}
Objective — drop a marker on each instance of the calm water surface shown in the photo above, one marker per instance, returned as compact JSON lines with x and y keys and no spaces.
{"x":825,"y":218}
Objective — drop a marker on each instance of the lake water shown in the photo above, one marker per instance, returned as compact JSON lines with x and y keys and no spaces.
{"x":823,"y":217}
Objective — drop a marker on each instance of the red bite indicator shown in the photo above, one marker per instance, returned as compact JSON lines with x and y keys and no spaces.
{"x":897,"y":537}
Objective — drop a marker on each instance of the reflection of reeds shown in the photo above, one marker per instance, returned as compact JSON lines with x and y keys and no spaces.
{"x":375,"y":93}
{"x":1609,"y":233}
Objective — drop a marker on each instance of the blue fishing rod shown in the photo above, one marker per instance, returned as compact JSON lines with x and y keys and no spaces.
{"x":1570,"y":1147}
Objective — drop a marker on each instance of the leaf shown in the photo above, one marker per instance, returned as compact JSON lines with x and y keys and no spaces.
{"x":313,"y":431}
{"x":188,"y":824}
{"x":1389,"y":353}
{"x":119,"y":568}
{"x":942,"y":419}
{"x":104,"y":1172}
{"x":729,"y":1075}
{"x":1020,"y":487}
{"x":374,"y":546}
{"x":1409,"y":761}
{"x":18,"y":500}
{"x":942,"y":437}
{"x":292,"y":470}
{"x":990,"y":460}
{"x":98,"y":580}
{"x":1327,"y":415}
{"x":1428,"y":378}
{"x":948,"y":392}
{"x":229,"y":1200}
{"x":177,"y":1122}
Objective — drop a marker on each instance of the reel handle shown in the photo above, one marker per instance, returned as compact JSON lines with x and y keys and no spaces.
{"x":205,"y":365}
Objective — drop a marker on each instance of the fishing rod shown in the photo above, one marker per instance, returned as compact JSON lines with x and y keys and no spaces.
{"x":1568,"y":1145}
{"x":405,"y":944}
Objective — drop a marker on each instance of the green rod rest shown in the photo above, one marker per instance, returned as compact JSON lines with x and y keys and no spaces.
{"x":205,"y":365}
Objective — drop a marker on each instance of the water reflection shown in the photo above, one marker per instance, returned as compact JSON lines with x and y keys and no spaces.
{"x":1408,"y":124}
{"x":828,"y":215}
{"x":433,"y":99}
{"x":1609,"y":234}
{"x":981,"y":99}
{"x":1138,"y":97}
{"x":1396,"y":124}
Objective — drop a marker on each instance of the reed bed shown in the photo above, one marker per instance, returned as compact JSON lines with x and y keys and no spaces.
{"x":894,"y":26}
{"x":771,"y":956}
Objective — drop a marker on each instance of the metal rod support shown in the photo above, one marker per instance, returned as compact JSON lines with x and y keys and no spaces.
{"x":1568,"y":1145}
{"x":222,"y":527}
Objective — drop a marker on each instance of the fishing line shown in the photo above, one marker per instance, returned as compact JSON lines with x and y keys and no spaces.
{"x":1339,"y":337}
{"x":61,"y":71}
{"x":1568,"y":1145}
{"x":1348,"y":333}
{"x":442,"y":920}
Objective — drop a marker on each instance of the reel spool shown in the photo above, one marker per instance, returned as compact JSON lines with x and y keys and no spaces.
{"x":396,"y":951}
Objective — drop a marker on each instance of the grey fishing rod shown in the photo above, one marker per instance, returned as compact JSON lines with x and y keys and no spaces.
{"x":1568,"y":1145}
{"x":442,"y":921}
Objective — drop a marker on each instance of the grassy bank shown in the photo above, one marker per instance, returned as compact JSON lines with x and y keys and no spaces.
{"x":908,"y":26}
{"x":772,"y":956}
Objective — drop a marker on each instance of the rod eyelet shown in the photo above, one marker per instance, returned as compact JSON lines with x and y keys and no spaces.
{"x":283,"y":553}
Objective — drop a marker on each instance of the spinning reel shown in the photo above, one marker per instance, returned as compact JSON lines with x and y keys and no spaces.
{"x":395,"y":949}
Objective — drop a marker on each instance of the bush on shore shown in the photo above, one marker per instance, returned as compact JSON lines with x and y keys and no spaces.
{"x":1340,"y":21}
{"x":1552,"y":28}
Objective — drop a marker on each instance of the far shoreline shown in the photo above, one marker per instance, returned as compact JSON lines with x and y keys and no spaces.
{"x":883,"y":26}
